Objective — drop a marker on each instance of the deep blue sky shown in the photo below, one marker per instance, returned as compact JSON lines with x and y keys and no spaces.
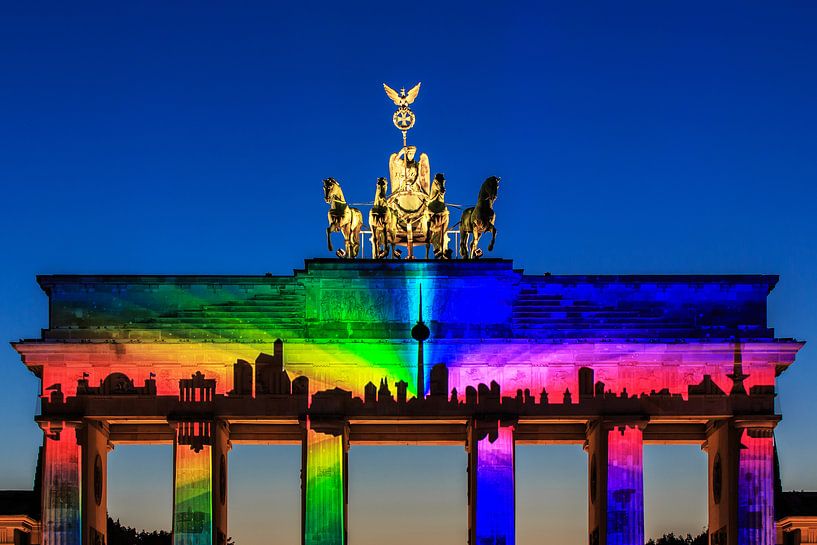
{"x":638,"y":137}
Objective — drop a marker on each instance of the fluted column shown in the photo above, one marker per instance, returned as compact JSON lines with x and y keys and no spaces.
{"x":324,"y":482}
{"x":200,"y":483}
{"x":61,"y":504}
{"x":491,"y":483}
{"x":741,"y":482}
{"x":755,"y":485}
{"x":616,"y":482}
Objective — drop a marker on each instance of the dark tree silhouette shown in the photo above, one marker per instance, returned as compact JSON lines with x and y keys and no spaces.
{"x":672,"y":539}
{"x":119,"y":534}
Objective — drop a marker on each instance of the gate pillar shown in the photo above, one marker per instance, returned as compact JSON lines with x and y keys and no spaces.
{"x":324,"y":482}
{"x":491,"y":483}
{"x":200,"y":483}
{"x":94,"y":500}
{"x":616,"y":483}
{"x":741,"y":482}
{"x":61,"y":507}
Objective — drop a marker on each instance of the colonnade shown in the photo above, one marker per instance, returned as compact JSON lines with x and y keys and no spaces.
{"x":740,"y":468}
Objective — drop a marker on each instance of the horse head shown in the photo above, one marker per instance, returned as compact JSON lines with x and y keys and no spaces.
{"x":382,"y":186}
{"x":489,"y":189}
{"x":330,"y":186}
{"x":438,"y":185}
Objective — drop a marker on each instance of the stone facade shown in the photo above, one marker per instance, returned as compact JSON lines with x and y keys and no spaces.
{"x":325,"y":358}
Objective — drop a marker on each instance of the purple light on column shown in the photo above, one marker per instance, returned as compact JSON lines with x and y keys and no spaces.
{"x":755,"y":488}
{"x":495,"y":489}
{"x":625,"y":487}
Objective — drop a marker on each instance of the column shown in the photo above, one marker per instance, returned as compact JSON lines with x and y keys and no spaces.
{"x":200,"y":483}
{"x":221,"y":446}
{"x":94,"y":447}
{"x":722,"y":452}
{"x":491,"y":483}
{"x":756,"y":486}
{"x":324,"y":482}
{"x":616,"y":483}
{"x":741,"y":482}
{"x":61,"y":516}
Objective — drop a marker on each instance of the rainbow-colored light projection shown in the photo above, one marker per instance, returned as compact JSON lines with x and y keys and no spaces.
{"x":755,"y":488}
{"x":625,"y":486}
{"x":325,"y":509}
{"x":495,"y":497}
{"x":192,"y":495}
{"x":62,"y":523}
{"x":345,"y":323}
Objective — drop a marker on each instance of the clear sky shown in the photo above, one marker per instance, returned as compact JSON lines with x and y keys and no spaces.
{"x":637,"y":137}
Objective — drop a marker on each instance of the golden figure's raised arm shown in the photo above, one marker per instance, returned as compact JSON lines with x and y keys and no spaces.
{"x":424,"y":174}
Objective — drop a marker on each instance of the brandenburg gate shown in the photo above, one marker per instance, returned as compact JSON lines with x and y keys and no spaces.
{"x":390,"y":348}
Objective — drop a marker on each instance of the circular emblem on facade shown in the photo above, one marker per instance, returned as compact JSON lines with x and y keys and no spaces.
{"x":98,"y":480}
{"x":717,"y":479}
{"x":594,"y":479}
{"x":222,"y":480}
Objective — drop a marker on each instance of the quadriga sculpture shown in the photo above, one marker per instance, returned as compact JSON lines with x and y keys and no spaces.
{"x":342,"y":218}
{"x":478,"y":220}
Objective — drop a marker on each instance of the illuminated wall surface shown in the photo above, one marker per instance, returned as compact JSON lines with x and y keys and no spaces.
{"x":625,"y":487}
{"x":62,"y":523}
{"x":192,"y":496}
{"x":755,"y":492}
{"x":347,"y":323}
{"x":324,"y":515}
{"x":495,"y":512}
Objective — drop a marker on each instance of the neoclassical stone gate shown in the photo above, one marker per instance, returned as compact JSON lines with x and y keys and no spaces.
{"x":325,"y":358}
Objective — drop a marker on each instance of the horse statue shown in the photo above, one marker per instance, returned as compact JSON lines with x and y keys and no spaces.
{"x":436,"y":219}
{"x":342,"y":218}
{"x":382,"y":222}
{"x":479,"y":219}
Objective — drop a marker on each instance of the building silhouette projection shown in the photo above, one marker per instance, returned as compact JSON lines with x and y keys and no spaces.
{"x":326,"y":358}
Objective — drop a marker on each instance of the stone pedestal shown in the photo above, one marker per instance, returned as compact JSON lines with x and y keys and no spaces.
{"x":616,"y":483}
{"x":95,"y":447}
{"x":491,"y":483}
{"x":324,"y":482}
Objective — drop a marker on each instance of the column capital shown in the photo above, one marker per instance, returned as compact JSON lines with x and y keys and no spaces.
{"x":53,"y":428}
{"x":223,"y":426}
{"x":101,"y":426}
{"x":757,"y":423}
{"x":607,"y":423}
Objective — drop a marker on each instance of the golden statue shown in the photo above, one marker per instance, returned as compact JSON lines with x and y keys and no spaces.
{"x":479,"y":219}
{"x":342,"y":218}
{"x":406,"y":173}
{"x":415,"y":211}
